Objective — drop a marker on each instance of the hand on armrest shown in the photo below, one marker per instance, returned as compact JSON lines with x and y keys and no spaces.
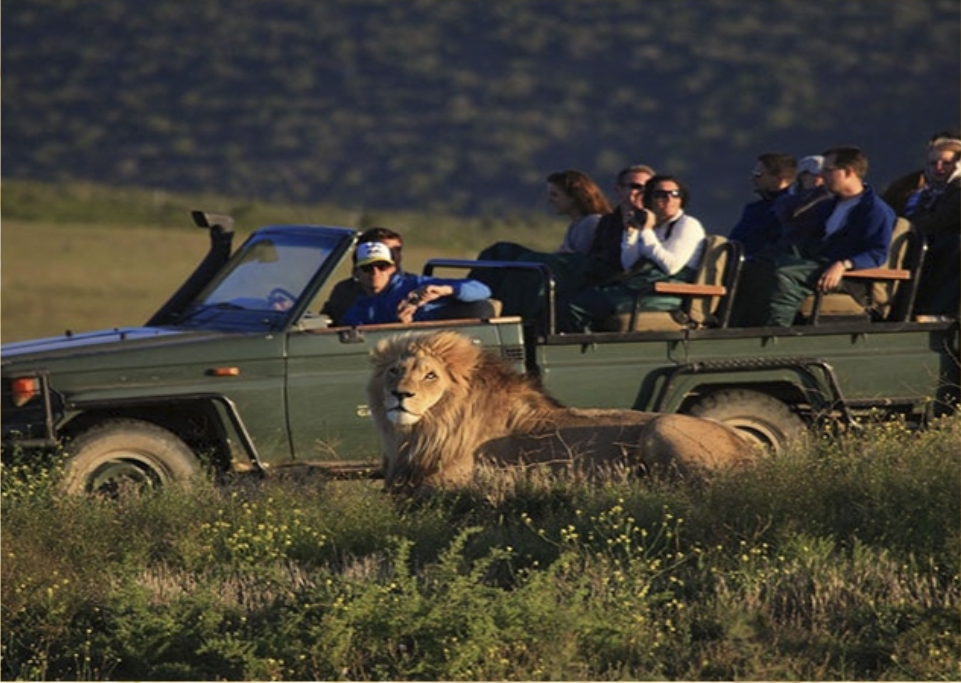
{"x":879,"y":274}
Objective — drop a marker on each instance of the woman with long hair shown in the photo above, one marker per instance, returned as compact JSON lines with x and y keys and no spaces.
{"x":573,"y":194}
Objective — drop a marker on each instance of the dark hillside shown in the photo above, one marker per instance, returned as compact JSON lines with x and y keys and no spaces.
{"x":465,"y":105}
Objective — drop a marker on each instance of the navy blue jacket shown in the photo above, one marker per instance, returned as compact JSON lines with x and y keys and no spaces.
{"x":759,"y":226}
{"x":865,"y":237}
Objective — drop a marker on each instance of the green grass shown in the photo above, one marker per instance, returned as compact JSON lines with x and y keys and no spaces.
{"x":840,"y":561}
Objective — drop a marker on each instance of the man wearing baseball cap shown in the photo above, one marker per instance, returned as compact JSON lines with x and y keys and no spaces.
{"x":346,"y":292}
{"x":391,"y":295}
{"x":809,"y":172}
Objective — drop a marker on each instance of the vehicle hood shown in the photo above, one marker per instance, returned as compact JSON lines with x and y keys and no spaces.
{"x":96,"y":342}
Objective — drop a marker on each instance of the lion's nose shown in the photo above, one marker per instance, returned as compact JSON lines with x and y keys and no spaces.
{"x":401,"y":395}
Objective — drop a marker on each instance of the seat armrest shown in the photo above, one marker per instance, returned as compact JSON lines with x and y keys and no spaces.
{"x":879,"y":274}
{"x":690,"y":289}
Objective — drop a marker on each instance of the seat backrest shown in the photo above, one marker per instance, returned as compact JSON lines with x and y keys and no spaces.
{"x":719,"y":262}
{"x":907,"y":252}
{"x":882,"y":292}
{"x":719,"y":267}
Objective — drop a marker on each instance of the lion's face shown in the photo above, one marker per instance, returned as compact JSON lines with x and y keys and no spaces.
{"x":420,"y":375}
{"x":412,"y":385}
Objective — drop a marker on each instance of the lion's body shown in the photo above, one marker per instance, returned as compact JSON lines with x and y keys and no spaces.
{"x":441,"y":405}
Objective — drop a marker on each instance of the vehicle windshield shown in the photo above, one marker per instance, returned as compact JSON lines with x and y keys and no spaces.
{"x":267,"y":275}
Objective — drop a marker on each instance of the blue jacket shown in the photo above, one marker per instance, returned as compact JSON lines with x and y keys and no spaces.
{"x":759,"y":226}
{"x":865,"y":238}
{"x":382,"y":308}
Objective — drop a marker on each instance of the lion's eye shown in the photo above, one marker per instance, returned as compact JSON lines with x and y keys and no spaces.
{"x":392,"y":371}
{"x":431,"y":376}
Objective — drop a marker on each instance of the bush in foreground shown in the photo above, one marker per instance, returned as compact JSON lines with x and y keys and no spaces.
{"x":839,"y":561}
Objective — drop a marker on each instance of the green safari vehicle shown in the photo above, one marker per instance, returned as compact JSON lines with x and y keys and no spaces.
{"x":238,"y":372}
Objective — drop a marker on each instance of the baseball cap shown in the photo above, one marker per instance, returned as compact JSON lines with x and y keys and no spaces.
{"x":373,"y":252}
{"x":811,"y":164}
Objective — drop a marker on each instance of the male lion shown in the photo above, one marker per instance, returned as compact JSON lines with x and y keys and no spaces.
{"x":441,"y":404}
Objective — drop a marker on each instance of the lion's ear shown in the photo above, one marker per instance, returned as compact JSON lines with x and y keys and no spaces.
{"x":388,"y":350}
{"x":459,"y":354}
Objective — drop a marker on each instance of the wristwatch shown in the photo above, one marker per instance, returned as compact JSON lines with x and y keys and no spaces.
{"x":848,"y":264}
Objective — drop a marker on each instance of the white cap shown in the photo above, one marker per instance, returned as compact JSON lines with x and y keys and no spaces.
{"x":811,"y":164}
{"x":373,"y":252}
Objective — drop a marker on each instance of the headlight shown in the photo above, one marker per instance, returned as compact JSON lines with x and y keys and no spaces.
{"x":23,"y":390}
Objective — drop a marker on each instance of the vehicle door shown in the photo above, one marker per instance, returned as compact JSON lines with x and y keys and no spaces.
{"x":327,"y":375}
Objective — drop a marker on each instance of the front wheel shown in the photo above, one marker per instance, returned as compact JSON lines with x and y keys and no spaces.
{"x":127,"y":454}
{"x":761,"y":418}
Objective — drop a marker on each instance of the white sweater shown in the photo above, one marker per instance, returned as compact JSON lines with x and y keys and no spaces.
{"x":670,"y":254}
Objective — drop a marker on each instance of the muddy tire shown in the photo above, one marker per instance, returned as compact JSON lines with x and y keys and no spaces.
{"x":761,"y":418}
{"x":122,"y":455}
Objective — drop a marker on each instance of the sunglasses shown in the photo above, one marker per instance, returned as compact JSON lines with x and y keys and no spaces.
{"x":665,"y":194}
{"x":371,"y":267}
{"x":638,"y":187}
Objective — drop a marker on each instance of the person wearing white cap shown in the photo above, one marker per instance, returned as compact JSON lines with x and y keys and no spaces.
{"x":391,"y":295}
{"x":809,"y":172}
{"x":345,"y":292}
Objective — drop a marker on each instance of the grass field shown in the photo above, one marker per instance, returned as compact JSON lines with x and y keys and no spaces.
{"x":836,"y":562}
{"x":840,"y":560}
{"x":82,"y":277}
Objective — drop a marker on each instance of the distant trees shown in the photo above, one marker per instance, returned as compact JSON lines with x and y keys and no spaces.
{"x":462,"y":105}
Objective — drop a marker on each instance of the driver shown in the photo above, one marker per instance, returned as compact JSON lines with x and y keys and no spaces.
{"x":347,"y":291}
{"x":391,"y":295}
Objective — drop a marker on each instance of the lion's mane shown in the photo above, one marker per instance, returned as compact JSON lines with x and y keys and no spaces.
{"x":480,"y":408}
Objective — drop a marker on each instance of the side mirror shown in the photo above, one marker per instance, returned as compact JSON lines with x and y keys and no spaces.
{"x":202,"y":219}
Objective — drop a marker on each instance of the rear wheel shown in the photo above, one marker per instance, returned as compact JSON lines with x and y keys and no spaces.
{"x":121,"y":455}
{"x":761,"y":418}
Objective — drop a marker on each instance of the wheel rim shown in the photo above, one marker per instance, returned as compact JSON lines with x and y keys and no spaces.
{"x":123,"y":474}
